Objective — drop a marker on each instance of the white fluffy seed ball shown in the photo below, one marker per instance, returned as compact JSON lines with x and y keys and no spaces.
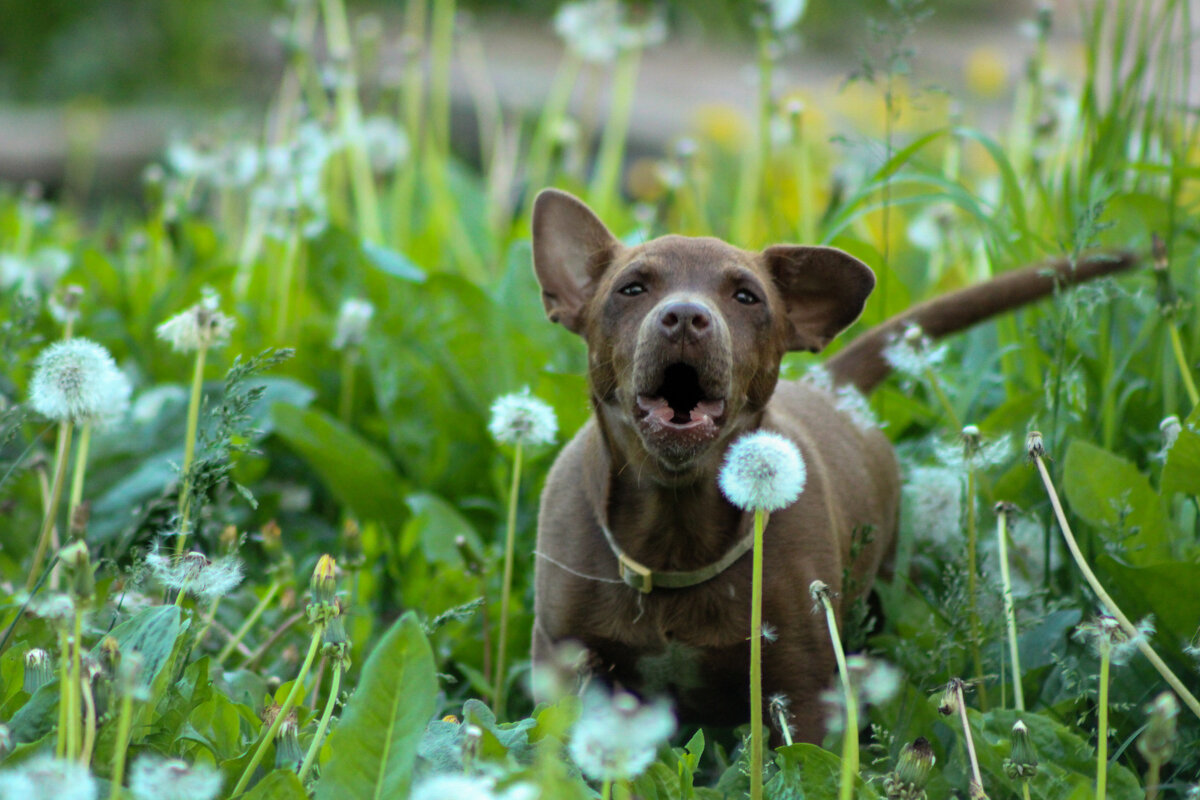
{"x":763,"y":470}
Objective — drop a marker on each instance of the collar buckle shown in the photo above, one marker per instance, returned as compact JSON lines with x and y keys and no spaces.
{"x":636,"y":575}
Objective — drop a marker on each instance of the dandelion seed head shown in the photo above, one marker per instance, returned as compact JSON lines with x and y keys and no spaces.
{"x":762,"y":470}
{"x":53,"y":606}
{"x":156,"y":778}
{"x":615,"y":737}
{"x":77,"y":381}
{"x":875,"y":681}
{"x":933,"y":504}
{"x":201,"y":326}
{"x":386,"y":144}
{"x":353,"y":318}
{"x":913,"y":354}
{"x":846,"y":398}
{"x":597,"y":30}
{"x":194,"y":573}
{"x":1106,"y":632}
{"x":43,"y":776}
{"x":784,"y":14}
{"x":454,"y":787}
{"x":972,"y":451}
{"x":521,"y":418}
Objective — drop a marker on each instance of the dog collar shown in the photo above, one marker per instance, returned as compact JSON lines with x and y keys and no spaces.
{"x":644,"y":579}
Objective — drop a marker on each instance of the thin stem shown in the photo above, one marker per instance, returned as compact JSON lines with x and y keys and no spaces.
{"x":74,"y":720}
{"x":605,"y":182}
{"x":606,"y":789}
{"x":1102,"y":711}
{"x":554,"y":107}
{"x":315,"y":747}
{"x":124,"y":722}
{"x":208,"y":620}
{"x":962,"y":713}
{"x":81,"y":456}
{"x":346,"y":390}
{"x":189,"y":446}
{"x":61,"y":450}
{"x":232,"y":644}
{"x":64,"y":701}
{"x":1025,"y":790}
{"x":1180,"y":359}
{"x":89,"y":723}
{"x":1009,"y":610}
{"x":289,"y":701}
{"x":756,"y":705}
{"x":936,"y":385}
{"x":506,"y":588}
{"x":850,"y":735}
{"x":973,"y":589}
{"x":1177,"y":685}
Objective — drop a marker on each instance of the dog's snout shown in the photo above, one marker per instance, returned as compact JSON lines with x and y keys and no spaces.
{"x":684,"y":319}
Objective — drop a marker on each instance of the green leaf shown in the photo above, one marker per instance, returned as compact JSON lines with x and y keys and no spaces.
{"x":806,"y":771}
{"x":375,"y":744}
{"x":282,"y":784}
{"x":37,"y":716}
{"x":393,"y":263}
{"x":360,"y":476}
{"x":1109,"y":493}
{"x":436,"y":524}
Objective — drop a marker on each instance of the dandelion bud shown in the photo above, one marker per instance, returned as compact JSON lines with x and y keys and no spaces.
{"x":129,"y":674}
{"x":324,"y":580}
{"x":1158,"y":249}
{"x":951,"y":699}
{"x":471,"y":742}
{"x":79,"y":520}
{"x":907,"y":781}
{"x":971,"y":441}
{"x":521,"y":418}
{"x":1157,"y":742}
{"x":466,"y":552}
{"x":79,"y":568}
{"x":38,"y":670}
{"x":272,"y":542}
{"x":352,"y":550}
{"x":353,"y":318}
{"x":1034,"y":446}
{"x":110,"y":655}
{"x":1022,"y":763}
{"x":287,"y":744}
{"x":762,"y":471}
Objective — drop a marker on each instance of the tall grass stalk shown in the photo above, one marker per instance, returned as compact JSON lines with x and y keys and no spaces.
{"x":745,"y":209}
{"x":1105,"y":643}
{"x":1003,"y":510}
{"x":1036,"y":451}
{"x":189,"y":446}
{"x":850,"y":735}
{"x":78,"y":472}
{"x":603,"y":191}
{"x":554,"y":109}
{"x":62,"y":451}
{"x":510,"y":536}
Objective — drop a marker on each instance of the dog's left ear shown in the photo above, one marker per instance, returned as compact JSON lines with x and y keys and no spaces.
{"x":825,"y":290}
{"x":571,"y":249}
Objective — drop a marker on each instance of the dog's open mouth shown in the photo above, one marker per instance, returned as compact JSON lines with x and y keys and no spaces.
{"x":679,"y":403}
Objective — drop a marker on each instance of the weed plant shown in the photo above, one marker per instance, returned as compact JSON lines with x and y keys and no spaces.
{"x":168,"y":648}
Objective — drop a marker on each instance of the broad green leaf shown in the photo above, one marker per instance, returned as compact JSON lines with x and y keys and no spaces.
{"x":37,"y":716}
{"x":282,"y":784}
{"x":361,"y":477}
{"x":1168,"y":591}
{"x":436,"y":524}
{"x":375,"y":743}
{"x":1110,"y":493}
{"x":806,"y":771}
{"x":393,"y":263}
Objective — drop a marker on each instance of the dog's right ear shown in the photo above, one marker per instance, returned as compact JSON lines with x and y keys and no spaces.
{"x":571,"y":249}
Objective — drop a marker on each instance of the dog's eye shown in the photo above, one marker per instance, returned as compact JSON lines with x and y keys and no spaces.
{"x":745,"y":297}
{"x":632,"y":289}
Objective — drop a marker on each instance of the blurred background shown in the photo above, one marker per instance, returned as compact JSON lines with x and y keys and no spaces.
{"x":90,"y":92}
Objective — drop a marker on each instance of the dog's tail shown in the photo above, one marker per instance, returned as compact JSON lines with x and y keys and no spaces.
{"x":862,"y":363}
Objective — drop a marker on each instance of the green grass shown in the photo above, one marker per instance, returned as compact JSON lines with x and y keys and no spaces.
{"x":387,"y":434}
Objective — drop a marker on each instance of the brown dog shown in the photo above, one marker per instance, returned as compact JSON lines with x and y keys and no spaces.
{"x":640,"y":554}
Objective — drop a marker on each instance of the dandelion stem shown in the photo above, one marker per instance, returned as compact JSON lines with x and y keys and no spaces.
{"x":64,"y":700}
{"x":315,"y":747}
{"x":936,"y":385}
{"x":81,"y":456}
{"x":506,"y":588}
{"x":606,"y":180}
{"x":89,"y":723}
{"x":850,"y":735}
{"x":606,"y":789}
{"x":124,"y":722}
{"x":1102,"y":712}
{"x":1180,"y":359}
{"x":1135,"y":635}
{"x":73,"y":709}
{"x":289,"y":701}
{"x":756,"y":704}
{"x":973,"y":589}
{"x":232,"y":644}
{"x":189,"y":447}
{"x":1009,"y":610}
{"x":977,"y":779}
{"x":61,"y":453}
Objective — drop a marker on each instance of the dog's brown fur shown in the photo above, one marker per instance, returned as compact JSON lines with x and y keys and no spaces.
{"x":729,"y":315}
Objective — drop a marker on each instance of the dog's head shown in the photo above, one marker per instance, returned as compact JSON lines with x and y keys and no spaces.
{"x":685,"y":335}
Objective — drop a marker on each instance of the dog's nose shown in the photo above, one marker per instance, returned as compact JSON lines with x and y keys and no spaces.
{"x":681,"y":319}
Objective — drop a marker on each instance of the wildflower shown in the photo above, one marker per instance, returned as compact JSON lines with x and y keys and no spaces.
{"x":597,"y":30}
{"x":386,"y":144}
{"x":1022,"y":763}
{"x":912,"y":353}
{"x":77,"y":381}
{"x":933,"y":500}
{"x":200,"y":327}
{"x":43,"y":776}
{"x":38,"y":670}
{"x":353,"y":318}
{"x":615,"y":738}
{"x":763,"y":470}
{"x":194,"y":573}
{"x":156,"y":778}
{"x":1157,"y":742}
{"x":521,"y":418}
{"x":907,"y":781}
{"x":986,"y":72}
{"x":1105,"y":632}
{"x":324,"y":580}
